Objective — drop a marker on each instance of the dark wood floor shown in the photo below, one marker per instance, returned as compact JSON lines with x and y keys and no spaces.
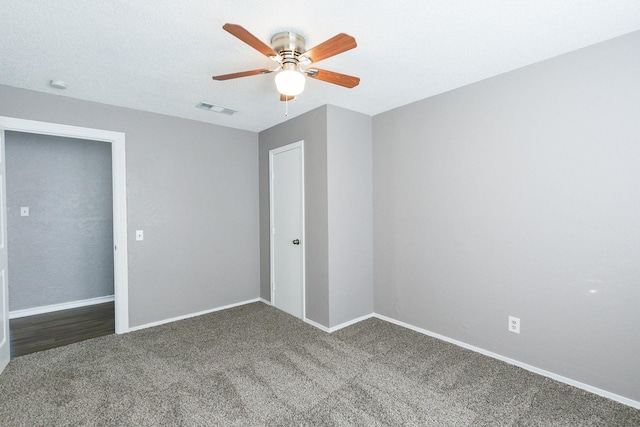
{"x":44,"y":331}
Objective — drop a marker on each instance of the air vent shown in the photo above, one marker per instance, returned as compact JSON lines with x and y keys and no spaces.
{"x":216,"y":108}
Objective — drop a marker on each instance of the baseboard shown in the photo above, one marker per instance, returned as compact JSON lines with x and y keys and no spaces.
{"x":187,"y":316}
{"x":15,"y":314}
{"x":317,"y":325}
{"x":264,"y":301}
{"x":350,"y":322}
{"x":560,"y":378}
{"x":340,"y":326}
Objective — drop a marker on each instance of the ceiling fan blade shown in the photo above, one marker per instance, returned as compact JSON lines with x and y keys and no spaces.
{"x":250,"y":39}
{"x":335,"y":45}
{"x":333,"y":77}
{"x":242,"y":74}
{"x":286,"y":98}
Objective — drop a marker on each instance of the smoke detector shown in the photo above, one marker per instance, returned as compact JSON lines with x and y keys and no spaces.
{"x":58,"y":84}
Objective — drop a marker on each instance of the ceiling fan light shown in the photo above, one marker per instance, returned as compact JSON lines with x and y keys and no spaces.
{"x":290,"y":82}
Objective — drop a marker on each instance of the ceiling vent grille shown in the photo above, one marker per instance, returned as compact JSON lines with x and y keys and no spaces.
{"x":216,"y":108}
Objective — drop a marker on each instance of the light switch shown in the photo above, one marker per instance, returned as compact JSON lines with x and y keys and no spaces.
{"x":139,"y":235}
{"x":24,"y":211}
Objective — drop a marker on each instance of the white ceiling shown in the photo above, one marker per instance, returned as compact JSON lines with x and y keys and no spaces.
{"x":159,"y":55}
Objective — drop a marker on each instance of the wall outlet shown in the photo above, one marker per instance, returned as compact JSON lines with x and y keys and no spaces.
{"x":24,"y":211}
{"x":514,"y":324}
{"x":139,"y":235}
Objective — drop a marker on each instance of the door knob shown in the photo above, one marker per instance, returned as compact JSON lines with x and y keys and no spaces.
{"x":296,"y":242}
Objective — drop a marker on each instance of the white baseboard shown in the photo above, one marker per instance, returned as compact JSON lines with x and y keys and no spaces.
{"x":324,"y":328}
{"x":15,"y":314}
{"x":317,"y":325}
{"x":187,"y":316}
{"x":560,"y":378}
{"x":340,"y":326}
{"x":350,"y":322}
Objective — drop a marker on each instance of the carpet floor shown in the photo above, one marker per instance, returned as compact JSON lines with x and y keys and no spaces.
{"x":254,"y":365}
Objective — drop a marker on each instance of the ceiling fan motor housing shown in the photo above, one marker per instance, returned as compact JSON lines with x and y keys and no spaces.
{"x":289,"y":46}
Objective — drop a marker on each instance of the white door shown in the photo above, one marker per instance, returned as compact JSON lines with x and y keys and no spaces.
{"x":286,"y":171}
{"x":4,"y":291}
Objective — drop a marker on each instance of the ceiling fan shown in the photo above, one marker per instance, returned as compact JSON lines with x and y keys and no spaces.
{"x":288,"y":50}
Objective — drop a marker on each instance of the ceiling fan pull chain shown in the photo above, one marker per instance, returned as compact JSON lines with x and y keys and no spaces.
{"x":286,"y":107}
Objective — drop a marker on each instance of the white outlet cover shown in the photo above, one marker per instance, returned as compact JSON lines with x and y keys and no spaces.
{"x":139,"y":235}
{"x":24,"y":211}
{"x":514,"y":324}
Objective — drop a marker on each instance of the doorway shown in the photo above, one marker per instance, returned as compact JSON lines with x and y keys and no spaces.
{"x":287,"y":254}
{"x":59,"y":239}
{"x":117,"y":141}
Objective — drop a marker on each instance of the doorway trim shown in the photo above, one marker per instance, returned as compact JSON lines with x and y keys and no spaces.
{"x":119,"y":178}
{"x":272,"y":152}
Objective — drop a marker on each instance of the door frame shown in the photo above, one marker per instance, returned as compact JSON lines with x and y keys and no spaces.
{"x":272,"y":152}
{"x":119,"y":183}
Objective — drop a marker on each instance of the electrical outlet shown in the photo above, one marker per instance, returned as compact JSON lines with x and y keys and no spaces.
{"x":139,"y":235}
{"x":514,"y":325}
{"x":24,"y":211}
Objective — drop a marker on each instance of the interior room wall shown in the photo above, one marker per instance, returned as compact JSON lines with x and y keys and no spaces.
{"x":191,"y":186}
{"x":312,"y":128}
{"x":519,"y":195}
{"x":350,"y":211}
{"x":338,"y":211}
{"x":63,"y":250}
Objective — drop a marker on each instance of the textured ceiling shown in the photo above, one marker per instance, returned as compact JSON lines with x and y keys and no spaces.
{"x":160,"y":55}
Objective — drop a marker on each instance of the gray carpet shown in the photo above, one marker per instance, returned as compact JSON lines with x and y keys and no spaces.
{"x":254,"y":365}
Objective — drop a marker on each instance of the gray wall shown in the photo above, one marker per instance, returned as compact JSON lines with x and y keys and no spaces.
{"x":191,"y":186}
{"x":63,"y":251}
{"x":350,"y":209}
{"x":312,"y":128}
{"x":520,"y":195}
{"x":338,"y":211}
